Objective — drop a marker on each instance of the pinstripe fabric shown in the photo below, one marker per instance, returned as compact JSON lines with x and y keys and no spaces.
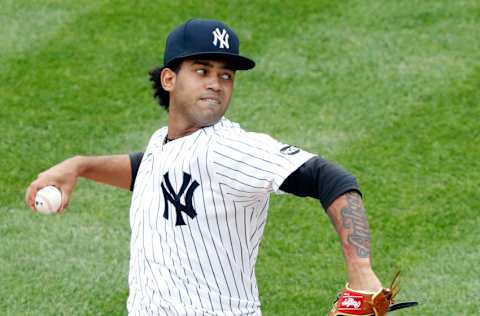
{"x":207,"y":266}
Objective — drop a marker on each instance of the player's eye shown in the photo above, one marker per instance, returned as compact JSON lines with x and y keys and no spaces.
{"x":201,"y":72}
{"x":226,"y":76}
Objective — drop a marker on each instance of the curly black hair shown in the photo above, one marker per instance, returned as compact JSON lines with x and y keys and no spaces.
{"x":158,"y":92}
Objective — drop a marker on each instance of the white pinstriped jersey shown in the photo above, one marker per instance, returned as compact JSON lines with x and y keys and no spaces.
{"x":198,"y":211}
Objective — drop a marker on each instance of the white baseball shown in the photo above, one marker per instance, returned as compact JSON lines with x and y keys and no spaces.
{"x":48,"y":200}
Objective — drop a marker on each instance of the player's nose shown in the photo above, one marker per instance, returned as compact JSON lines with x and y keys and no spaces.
{"x":213,"y":83}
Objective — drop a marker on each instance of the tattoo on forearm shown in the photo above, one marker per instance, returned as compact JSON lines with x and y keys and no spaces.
{"x":355,"y":219}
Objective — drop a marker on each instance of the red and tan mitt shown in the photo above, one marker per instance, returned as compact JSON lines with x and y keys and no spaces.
{"x":352,"y":302}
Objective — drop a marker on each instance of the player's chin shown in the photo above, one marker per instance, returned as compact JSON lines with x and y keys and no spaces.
{"x":209,"y":113}
{"x":208,"y":118}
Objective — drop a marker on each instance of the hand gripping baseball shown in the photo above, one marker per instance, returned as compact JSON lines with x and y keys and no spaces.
{"x":353,"y":302}
{"x":63,"y":176}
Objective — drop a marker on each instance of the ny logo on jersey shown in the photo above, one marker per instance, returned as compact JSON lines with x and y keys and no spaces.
{"x":220,"y":37}
{"x":171,"y":196}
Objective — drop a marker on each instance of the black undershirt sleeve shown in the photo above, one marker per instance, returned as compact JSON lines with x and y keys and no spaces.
{"x":320,"y":179}
{"x":135,"y":160}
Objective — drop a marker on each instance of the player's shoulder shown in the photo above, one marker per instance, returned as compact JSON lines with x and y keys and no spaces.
{"x":157,"y":138}
{"x":229,"y":130}
{"x":160,"y":132}
{"x":238,"y":139}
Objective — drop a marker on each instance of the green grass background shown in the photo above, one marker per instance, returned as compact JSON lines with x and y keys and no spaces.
{"x":388,"y":89}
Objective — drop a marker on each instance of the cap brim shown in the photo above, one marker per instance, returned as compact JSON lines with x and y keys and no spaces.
{"x":236,"y":62}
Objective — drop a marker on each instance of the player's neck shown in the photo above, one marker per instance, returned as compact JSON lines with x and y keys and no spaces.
{"x":178,"y":127}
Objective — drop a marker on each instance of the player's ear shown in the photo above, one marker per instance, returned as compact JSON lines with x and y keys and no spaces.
{"x":167,"y":79}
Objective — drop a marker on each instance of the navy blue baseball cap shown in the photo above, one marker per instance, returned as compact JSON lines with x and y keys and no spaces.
{"x":205,"y":38}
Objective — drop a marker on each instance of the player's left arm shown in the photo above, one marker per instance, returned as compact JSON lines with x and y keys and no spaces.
{"x":349,"y":218}
{"x":340,"y":196}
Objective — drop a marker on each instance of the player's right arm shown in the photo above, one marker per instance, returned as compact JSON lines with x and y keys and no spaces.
{"x":340,"y":196}
{"x":115,"y":170}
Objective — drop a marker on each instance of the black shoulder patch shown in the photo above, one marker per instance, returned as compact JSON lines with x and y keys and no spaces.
{"x":289,"y":150}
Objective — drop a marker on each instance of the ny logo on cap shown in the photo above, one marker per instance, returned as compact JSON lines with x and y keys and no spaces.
{"x":222,"y":38}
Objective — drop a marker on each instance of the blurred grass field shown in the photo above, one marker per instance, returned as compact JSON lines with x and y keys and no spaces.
{"x":388,"y":89}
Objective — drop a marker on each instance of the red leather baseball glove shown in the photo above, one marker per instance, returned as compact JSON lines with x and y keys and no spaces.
{"x":352,"y":302}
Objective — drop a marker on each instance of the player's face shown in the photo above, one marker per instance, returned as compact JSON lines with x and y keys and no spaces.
{"x":201,"y":92}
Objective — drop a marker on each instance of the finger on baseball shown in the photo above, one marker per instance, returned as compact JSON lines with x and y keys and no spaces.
{"x":30,"y":195}
{"x":64,"y":203}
